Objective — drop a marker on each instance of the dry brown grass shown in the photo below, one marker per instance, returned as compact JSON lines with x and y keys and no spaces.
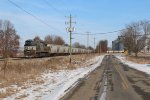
{"x":21,"y":97}
{"x":8,"y":92}
{"x":19,"y":71}
{"x":141,"y":59}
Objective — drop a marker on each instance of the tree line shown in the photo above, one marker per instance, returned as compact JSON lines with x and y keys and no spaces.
{"x":9,"y":40}
{"x":51,"y":39}
{"x":57,"y":40}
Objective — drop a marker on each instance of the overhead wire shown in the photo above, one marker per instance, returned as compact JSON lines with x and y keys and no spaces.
{"x":40,"y":20}
{"x":54,"y":8}
{"x":107,"y":32}
{"x":34,"y":16}
{"x":100,"y":33}
{"x":65,"y":5}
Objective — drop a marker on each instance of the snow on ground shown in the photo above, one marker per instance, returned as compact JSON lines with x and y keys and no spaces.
{"x":141,"y":67}
{"x":53,"y":84}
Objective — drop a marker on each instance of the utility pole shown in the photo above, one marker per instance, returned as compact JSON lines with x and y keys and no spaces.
{"x":88,"y":40}
{"x":94,"y":44}
{"x":100,"y":47}
{"x":70,"y":29}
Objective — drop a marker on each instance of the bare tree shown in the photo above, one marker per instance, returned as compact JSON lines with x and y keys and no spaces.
{"x":82,"y":46}
{"x":66,"y":44}
{"x":145,"y":25}
{"x":134,"y":36}
{"x":37,"y":38}
{"x":58,"y":40}
{"x":127,"y":40}
{"x":146,"y":31}
{"x":9,"y":40}
{"x":90,"y":48}
{"x":102,"y":46}
{"x":48,"y":39}
{"x":76,"y":45}
{"x":51,"y":39}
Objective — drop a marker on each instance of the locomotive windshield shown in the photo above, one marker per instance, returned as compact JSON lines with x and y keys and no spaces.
{"x":28,"y":43}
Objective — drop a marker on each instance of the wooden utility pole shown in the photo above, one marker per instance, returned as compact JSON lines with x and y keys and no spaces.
{"x":94,"y":44}
{"x":70,"y":29}
{"x":88,"y":40}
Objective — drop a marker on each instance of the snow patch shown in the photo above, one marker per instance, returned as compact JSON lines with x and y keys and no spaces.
{"x":55,"y":84}
{"x":141,"y":67}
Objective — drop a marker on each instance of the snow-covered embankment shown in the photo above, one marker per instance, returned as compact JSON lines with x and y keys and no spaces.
{"x":141,"y":67}
{"x":54,"y":84}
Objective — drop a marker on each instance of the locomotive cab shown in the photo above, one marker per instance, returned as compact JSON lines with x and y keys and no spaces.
{"x":29,"y":48}
{"x":36,"y":48}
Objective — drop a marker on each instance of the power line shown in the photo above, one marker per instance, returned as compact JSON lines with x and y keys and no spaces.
{"x":50,"y":5}
{"x":100,"y":33}
{"x":65,"y":5}
{"x":35,"y":17}
{"x":110,"y":31}
{"x":122,"y":29}
{"x":88,"y":34}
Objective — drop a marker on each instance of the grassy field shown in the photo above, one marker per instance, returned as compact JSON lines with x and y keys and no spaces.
{"x":19,"y":71}
{"x":141,"y":59}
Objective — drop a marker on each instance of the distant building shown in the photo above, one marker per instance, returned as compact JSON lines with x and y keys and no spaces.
{"x":117,"y":45}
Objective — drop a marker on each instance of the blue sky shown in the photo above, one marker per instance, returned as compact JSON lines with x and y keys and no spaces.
{"x":95,"y":16}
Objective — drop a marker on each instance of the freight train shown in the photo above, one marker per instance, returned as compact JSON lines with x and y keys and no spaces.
{"x":42,"y":49}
